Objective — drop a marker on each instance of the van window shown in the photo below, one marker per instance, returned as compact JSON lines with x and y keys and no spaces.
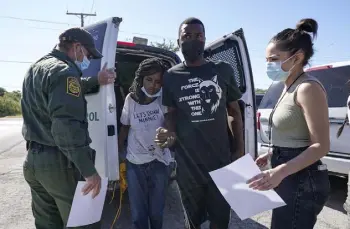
{"x":271,"y":96}
{"x":334,"y":81}
{"x":258,"y":98}
{"x":232,"y":56}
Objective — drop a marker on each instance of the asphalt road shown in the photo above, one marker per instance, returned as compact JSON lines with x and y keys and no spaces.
{"x":10,"y":129}
{"x":15,"y":210}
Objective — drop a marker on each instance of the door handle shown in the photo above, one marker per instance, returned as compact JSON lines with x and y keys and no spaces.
{"x":336,"y":120}
{"x":111,"y":108}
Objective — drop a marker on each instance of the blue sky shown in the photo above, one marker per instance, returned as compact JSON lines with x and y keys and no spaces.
{"x":27,"y":41}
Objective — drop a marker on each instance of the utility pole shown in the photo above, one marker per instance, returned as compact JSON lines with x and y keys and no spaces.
{"x":82,"y":16}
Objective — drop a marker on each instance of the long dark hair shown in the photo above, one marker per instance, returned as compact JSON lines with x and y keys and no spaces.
{"x":147,"y":67}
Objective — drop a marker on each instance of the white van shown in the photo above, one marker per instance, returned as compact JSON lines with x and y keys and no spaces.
{"x":105,"y":103}
{"x":334,"y":78}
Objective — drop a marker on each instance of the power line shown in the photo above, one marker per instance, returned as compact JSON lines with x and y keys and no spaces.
{"x":62,"y":23}
{"x":324,"y":58}
{"x":92,"y":7}
{"x":36,"y":20}
{"x":43,"y":28}
{"x":82,"y":16}
{"x":16,"y":61}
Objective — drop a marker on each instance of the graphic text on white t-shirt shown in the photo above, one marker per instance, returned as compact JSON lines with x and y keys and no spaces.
{"x":147,"y":116}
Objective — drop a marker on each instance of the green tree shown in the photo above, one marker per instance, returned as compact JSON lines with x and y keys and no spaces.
{"x":16,"y":95}
{"x":260,"y":91}
{"x":2,"y":91}
{"x":10,"y":104}
{"x":167,"y":45}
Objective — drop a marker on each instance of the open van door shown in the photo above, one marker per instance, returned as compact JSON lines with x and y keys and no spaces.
{"x":101,"y":103}
{"x":232,"y":48}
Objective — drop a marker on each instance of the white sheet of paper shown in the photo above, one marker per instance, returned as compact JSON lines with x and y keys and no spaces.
{"x":246,"y":202}
{"x":86,"y":210}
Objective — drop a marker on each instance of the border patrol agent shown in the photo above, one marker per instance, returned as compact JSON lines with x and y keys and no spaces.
{"x":56,"y":129}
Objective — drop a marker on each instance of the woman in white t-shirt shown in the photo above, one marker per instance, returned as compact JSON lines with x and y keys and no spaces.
{"x":147,"y":163}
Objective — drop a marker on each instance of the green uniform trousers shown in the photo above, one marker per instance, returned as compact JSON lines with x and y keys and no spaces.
{"x":52,"y":180}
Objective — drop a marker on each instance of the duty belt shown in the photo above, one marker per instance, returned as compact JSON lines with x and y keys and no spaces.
{"x":36,"y":145}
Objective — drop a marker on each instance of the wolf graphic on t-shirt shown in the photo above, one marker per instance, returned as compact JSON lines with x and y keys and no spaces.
{"x":210,"y":94}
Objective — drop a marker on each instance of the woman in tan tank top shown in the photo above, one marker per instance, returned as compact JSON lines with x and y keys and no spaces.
{"x":299,"y":132}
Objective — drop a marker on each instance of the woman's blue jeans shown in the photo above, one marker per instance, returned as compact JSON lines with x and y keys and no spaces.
{"x":147,"y":186}
{"x":305,"y":192}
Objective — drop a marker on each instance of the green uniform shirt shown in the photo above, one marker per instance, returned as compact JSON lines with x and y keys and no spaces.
{"x":54,"y":108}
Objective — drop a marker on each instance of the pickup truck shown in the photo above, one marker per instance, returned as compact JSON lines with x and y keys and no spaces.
{"x":334,"y":78}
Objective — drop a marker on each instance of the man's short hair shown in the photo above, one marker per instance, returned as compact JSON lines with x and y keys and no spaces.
{"x":191,"y":21}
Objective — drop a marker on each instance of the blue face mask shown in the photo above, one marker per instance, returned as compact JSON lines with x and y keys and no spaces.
{"x":149,"y":95}
{"x":275,"y":72}
{"x":82,"y":64}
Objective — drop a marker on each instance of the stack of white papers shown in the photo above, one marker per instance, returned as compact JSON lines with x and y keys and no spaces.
{"x":246,"y":202}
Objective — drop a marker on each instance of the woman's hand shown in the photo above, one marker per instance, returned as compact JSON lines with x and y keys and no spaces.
{"x":164,"y":138}
{"x":263,"y":159}
{"x":268,"y":179}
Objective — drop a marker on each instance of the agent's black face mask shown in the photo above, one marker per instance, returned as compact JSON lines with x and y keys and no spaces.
{"x":192,"y":50}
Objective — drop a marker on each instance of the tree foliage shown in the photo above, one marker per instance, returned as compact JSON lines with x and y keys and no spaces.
{"x":260,"y":91}
{"x":2,"y":91}
{"x":10,"y":103}
{"x":167,"y":45}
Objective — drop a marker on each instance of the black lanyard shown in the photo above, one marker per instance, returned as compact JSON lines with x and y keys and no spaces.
{"x":274,"y":108}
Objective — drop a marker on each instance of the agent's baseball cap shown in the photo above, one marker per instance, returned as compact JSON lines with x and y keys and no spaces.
{"x":82,"y":36}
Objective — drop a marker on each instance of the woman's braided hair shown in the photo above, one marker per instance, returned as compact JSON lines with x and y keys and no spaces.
{"x":147,"y":67}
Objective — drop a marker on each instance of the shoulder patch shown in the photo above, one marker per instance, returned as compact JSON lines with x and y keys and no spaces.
{"x":73,"y":86}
